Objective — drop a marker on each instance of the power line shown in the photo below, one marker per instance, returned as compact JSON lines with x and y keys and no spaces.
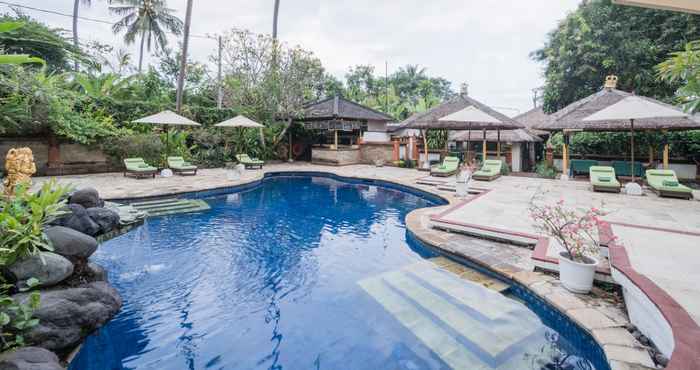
{"x":103,"y":21}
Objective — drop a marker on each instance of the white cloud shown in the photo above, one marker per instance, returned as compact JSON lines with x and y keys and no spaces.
{"x":483,"y":43}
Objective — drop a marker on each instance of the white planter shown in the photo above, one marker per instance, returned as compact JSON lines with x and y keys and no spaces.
{"x":577,"y":277}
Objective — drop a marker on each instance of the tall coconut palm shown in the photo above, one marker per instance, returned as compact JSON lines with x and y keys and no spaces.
{"x":274,"y":19}
{"x":148,"y":19}
{"x":76,"y":8}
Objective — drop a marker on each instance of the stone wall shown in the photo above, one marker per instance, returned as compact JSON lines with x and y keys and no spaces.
{"x":74,"y":158}
{"x":370,"y":152}
{"x":340,"y":157}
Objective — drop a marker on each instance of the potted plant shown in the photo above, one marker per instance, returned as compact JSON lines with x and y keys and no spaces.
{"x":577,"y":232}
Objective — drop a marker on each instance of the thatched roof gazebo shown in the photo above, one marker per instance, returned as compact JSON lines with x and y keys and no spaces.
{"x":573,"y":118}
{"x":533,"y":118}
{"x":461,"y":113}
{"x":339,"y":114}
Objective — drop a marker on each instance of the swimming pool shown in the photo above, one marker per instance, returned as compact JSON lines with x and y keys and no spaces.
{"x":302,"y":272}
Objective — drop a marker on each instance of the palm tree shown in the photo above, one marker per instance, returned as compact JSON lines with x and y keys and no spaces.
{"x":274,"y":19}
{"x":148,"y":19}
{"x":76,"y":7}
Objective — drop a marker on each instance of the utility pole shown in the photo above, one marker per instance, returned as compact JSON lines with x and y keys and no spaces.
{"x":386,"y":87}
{"x":220,"y":97}
{"x":183,"y":60}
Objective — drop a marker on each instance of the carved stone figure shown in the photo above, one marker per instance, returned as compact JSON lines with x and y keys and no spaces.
{"x":19,"y":166}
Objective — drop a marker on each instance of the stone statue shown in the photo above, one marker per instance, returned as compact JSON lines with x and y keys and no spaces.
{"x":19,"y":166}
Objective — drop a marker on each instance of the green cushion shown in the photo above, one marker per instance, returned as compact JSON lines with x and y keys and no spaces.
{"x":670,"y":183}
{"x":604,"y":178}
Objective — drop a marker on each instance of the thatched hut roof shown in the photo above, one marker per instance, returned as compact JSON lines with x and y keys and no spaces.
{"x":513,"y":136}
{"x":571,"y":117}
{"x":533,"y":118}
{"x":339,"y":108}
{"x":461,"y":111}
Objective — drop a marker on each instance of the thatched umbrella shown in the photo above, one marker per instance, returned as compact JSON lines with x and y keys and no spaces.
{"x":460,"y":113}
{"x":167,"y":118}
{"x":636,"y":108}
{"x":242,"y":122}
{"x":573,"y":117}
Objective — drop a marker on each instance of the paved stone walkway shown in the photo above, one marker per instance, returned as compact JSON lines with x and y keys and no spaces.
{"x":661,"y":235}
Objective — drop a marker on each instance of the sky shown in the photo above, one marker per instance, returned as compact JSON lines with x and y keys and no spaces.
{"x":485,"y":44}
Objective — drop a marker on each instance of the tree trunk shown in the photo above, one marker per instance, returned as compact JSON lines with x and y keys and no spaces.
{"x":274,"y":20}
{"x":76,"y":6}
{"x":183,"y":61}
{"x":426,"y":162}
{"x":143,"y":40}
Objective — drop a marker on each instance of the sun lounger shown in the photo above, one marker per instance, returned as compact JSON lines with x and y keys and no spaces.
{"x":448,"y":167}
{"x":137,"y":167}
{"x":603,"y":179}
{"x":180,"y":166}
{"x":581,"y":166}
{"x":665,"y":184}
{"x":490,"y":170}
{"x":249,"y":162}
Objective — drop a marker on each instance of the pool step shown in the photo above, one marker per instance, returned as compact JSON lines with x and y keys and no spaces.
{"x":433,"y":181}
{"x":470,"y":274}
{"x":465,"y":325}
{"x":171,"y":206}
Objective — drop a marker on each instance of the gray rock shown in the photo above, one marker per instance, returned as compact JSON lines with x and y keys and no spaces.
{"x":98,"y":272}
{"x":86,"y":197}
{"x":66,"y":316}
{"x":106,"y":218}
{"x":69,"y":242}
{"x":49,"y":268}
{"x":29,"y":358}
{"x":79,"y":220}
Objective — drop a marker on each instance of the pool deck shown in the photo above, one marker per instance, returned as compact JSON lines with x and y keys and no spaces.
{"x":658,"y":247}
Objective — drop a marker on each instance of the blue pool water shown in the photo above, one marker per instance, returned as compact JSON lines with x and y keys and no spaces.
{"x":312,"y":273}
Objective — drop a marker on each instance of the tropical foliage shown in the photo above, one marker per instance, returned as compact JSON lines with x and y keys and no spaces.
{"x":23,"y":217}
{"x":683,"y":67}
{"x":21,"y":36}
{"x":22,"y":220}
{"x":601,"y":38}
{"x":147,"y":20}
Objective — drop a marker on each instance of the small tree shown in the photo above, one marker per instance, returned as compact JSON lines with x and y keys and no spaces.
{"x":575,"y":230}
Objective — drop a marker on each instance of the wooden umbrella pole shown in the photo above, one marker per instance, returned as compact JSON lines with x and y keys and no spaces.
{"x":498,"y":144}
{"x":632,"y":147}
{"x":469,"y":136}
{"x":424,"y":133}
{"x":483,"y":146}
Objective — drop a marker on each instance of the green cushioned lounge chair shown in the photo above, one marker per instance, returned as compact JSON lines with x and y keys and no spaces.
{"x":665,"y":184}
{"x":137,"y":167}
{"x":603,"y":179}
{"x":448,"y":167}
{"x":490,"y":170}
{"x":249,"y":162}
{"x":182,"y":167}
{"x":581,"y":166}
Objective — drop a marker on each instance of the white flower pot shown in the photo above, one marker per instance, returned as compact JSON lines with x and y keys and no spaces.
{"x":577,"y":277}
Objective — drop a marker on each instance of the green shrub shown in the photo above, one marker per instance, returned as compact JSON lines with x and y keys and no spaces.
{"x":22,"y":220}
{"x":16,"y":317}
{"x":147,"y":146}
{"x":546,"y":171}
{"x":23,"y":217}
